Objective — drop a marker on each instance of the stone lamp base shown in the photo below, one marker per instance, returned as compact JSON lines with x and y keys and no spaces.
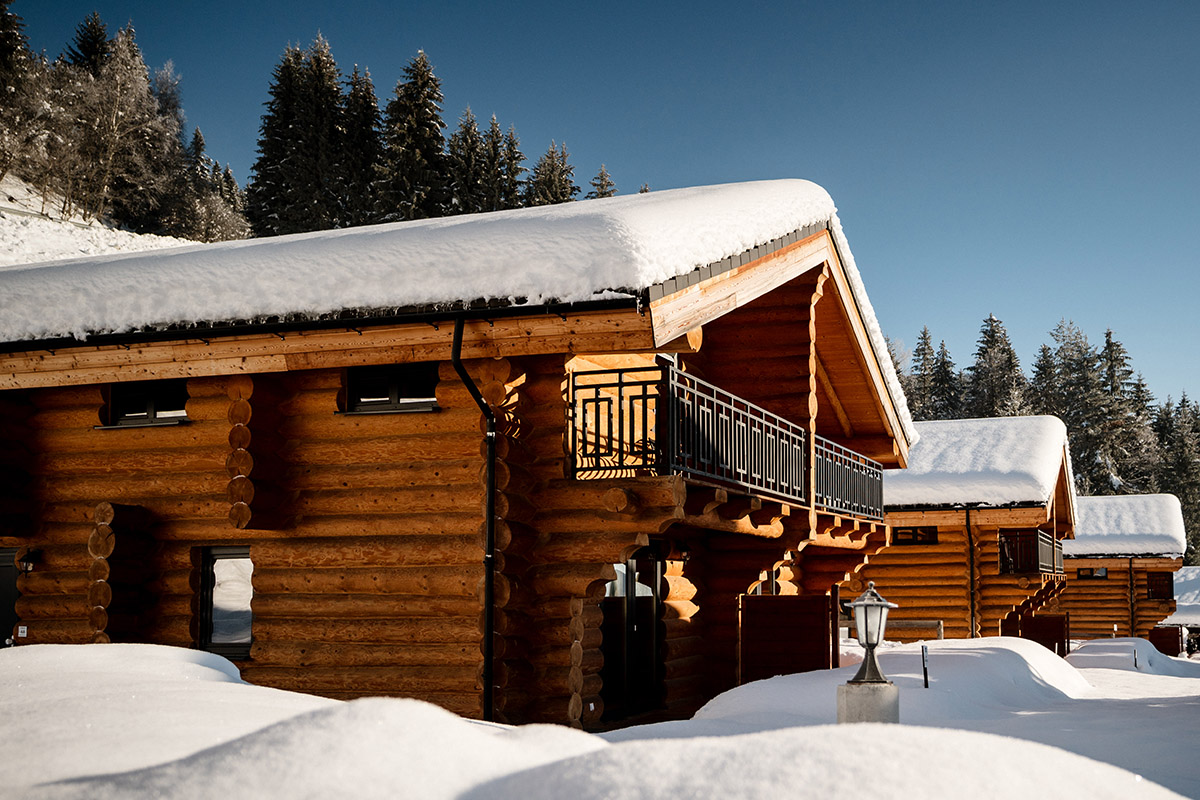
{"x":868,"y":702}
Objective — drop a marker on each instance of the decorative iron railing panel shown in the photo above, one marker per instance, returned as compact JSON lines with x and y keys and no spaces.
{"x":660,"y":420}
{"x":847,"y":482}
{"x":719,"y":437}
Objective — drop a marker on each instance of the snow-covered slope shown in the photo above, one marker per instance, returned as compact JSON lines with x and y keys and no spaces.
{"x":28,"y":236}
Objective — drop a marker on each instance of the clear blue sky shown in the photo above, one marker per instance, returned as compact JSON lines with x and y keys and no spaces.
{"x":1035,"y":161}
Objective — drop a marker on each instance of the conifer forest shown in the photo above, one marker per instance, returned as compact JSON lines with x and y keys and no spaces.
{"x":100,"y":135}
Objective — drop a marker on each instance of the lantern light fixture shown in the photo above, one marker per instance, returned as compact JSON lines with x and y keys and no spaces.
{"x":870,"y":625}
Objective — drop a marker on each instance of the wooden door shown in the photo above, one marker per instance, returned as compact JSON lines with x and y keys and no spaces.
{"x":633,"y":671}
{"x":8,"y":594}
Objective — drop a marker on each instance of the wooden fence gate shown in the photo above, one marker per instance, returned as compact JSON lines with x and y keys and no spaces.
{"x":782,"y":634}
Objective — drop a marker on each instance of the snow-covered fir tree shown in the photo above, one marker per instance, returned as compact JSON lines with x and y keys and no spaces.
{"x":996,"y":386}
{"x":945,"y":387}
{"x":602,"y":185}
{"x":918,"y":386}
{"x":91,"y":46}
{"x":362,"y":151}
{"x":513,"y":184}
{"x":270,"y":194}
{"x":552,"y":180}
{"x":466,"y":163}
{"x":318,"y":140}
{"x":413,"y":174}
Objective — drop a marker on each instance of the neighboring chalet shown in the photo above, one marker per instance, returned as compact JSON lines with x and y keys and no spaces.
{"x":978,"y":520}
{"x":1183,"y":626}
{"x":572,"y":464}
{"x":1120,"y":567}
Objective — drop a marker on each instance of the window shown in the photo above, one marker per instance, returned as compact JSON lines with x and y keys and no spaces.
{"x":143,"y":403}
{"x":226,"y":589}
{"x":1160,"y":586}
{"x":909,"y":536}
{"x":391,"y":388}
{"x":1090,"y":573}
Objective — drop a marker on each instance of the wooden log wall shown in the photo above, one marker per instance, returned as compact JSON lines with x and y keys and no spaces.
{"x":369,"y":578}
{"x":561,"y":538}
{"x":926,"y":581}
{"x":172,"y":472}
{"x":1121,"y":599}
{"x":122,"y":551}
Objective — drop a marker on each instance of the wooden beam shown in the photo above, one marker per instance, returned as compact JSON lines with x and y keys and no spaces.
{"x":677,"y":313}
{"x":189,"y":356}
{"x":831,"y":395}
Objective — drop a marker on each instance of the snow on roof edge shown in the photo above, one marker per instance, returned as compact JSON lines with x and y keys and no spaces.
{"x":1147,"y":525}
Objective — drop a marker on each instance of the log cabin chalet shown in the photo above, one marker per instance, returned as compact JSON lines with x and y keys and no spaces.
{"x":1120,"y":567}
{"x":978,"y":522}
{"x":574,"y":464}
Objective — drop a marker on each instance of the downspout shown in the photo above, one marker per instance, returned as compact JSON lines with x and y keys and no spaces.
{"x":1132,"y":602}
{"x":971,"y":571}
{"x":489,"y":549}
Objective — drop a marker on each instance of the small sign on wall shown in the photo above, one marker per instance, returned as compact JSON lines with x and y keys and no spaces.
{"x":22,"y":631}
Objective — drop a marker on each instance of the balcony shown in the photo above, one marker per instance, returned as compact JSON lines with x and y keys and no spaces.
{"x":1024,"y":552}
{"x":662,"y":421}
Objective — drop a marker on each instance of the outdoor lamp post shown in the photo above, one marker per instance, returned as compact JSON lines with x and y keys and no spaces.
{"x":870,"y":623}
{"x":869,"y":696}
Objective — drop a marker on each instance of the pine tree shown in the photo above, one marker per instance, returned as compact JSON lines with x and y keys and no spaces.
{"x":919,"y":385}
{"x":1178,"y":429}
{"x":602,"y":185}
{"x":1084,"y":407}
{"x":270,"y":195}
{"x":513,"y":160}
{"x":22,"y":89}
{"x":493,"y":167}
{"x":997,"y":386}
{"x":552,"y":180}
{"x":1045,"y":387}
{"x":946,"y":392}
{"x":319,"y":140}
{"x":363,"y":151}
{"x":92,"y":47}
{"x":414,"y":182}
{"x":14,"y":49}
{"x":466,"y":166}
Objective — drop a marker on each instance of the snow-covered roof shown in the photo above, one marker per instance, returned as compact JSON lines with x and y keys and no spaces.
{"x":1187,"y":598}
{"x":990,"y":462}
{"x":1128,"y":525}
{"x":570,"y":253}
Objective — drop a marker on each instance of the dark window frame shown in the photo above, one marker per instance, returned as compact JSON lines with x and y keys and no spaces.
{"x":145,"y":404}
{"x":391,"y":389}
{"x":1092,"y":573}
{"x":209,"y":556}
{"x":1160,"y":585}
{"x":909,"y":537}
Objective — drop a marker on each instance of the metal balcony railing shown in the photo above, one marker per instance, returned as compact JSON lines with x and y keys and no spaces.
{"x":1029,"y":551}
{"x":847,"y":482}
{"x":660,"y":420}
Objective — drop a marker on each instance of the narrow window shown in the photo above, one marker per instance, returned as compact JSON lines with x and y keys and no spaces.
{"x":226,"y":589}
{"x":144,"y":403}
{"x":391,"y":388}
{"x":911,"y":536}
{"x":1090,"y":573}
{"x":1160,"y":586}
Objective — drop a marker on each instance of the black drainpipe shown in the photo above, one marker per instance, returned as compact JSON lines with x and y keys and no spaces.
{"x":971,"y":571}
{"x":489,"y":549}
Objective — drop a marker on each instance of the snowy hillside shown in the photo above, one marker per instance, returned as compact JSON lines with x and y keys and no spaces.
{"x":31,"y":232}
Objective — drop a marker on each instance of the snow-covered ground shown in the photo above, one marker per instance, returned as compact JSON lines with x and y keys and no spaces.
{"x":32,"y":231}
{"x":1001,"y":718}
